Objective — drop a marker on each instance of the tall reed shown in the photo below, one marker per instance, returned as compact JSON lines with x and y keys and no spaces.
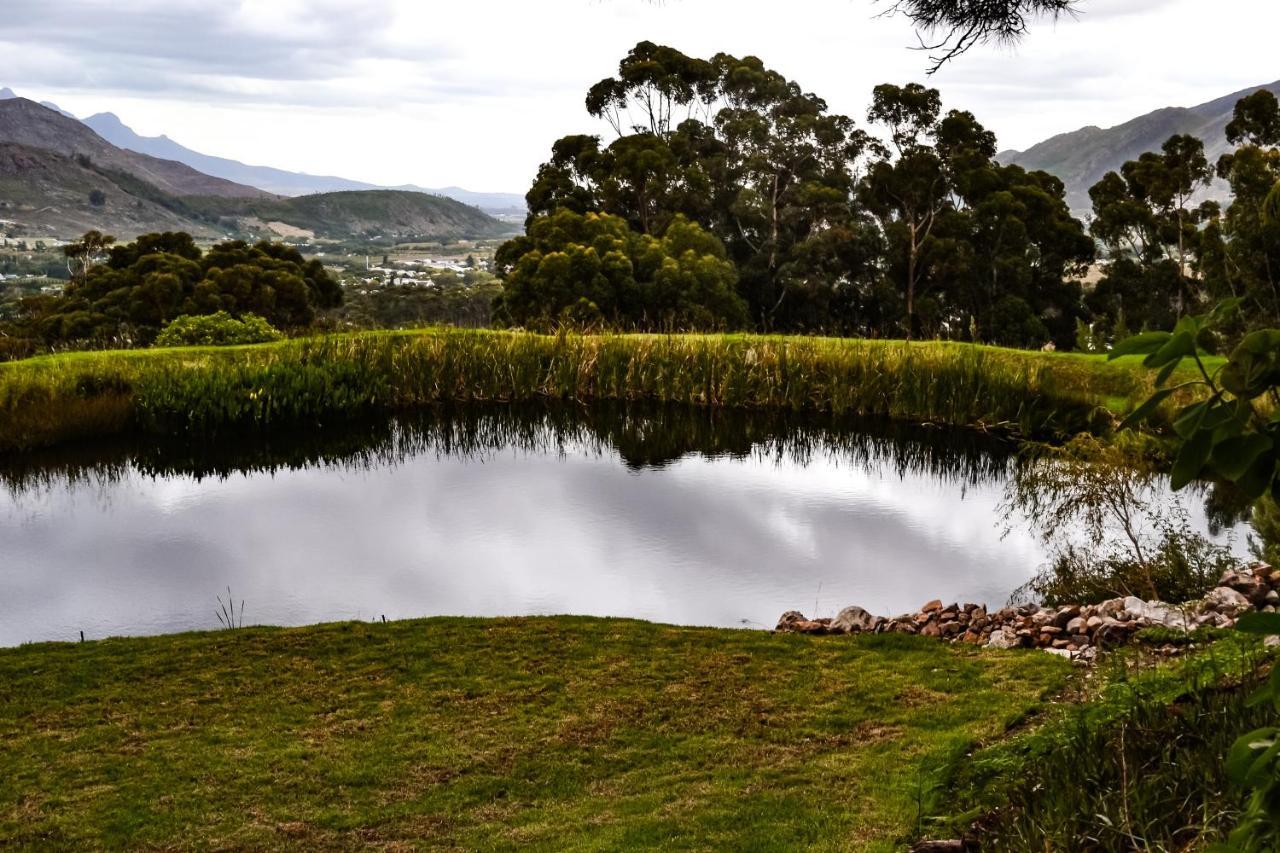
{"x":314,"y":380}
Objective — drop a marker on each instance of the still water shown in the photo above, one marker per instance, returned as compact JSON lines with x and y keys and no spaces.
{"x":669,"y":514}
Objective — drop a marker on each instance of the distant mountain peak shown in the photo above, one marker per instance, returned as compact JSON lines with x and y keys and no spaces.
{"x":1080,"y":158}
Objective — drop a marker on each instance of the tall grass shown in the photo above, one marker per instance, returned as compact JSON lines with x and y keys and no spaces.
{"x":314,"y":380}
{"x":1139,"y":766}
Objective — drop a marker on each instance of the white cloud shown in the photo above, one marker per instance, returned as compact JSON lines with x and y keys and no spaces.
{"x":398,"y":91}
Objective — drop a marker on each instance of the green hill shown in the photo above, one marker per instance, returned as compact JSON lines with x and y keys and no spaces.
{"x":395,"y":214}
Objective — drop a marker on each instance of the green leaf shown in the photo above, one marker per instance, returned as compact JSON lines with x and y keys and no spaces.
{"x":1263,"y":763}
{"x":1233,"y":457}
{"x":1191,"y":458}
{"x":1178,"y":346}
{"x":1145,"y":410}
{"x":1165,"y":372}
{"x":1260,"y":477}
{"x":1241,"y":755}
{"x":1189,"y":419}
{"x":1143,"y":344}
{"x":1259,"y":623}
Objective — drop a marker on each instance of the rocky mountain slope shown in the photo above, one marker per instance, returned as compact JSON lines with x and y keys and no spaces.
{"x":59,"y":178}
{"x":279,"y":181}
{"x":24,"y":122}
{"x":1080,"y":158}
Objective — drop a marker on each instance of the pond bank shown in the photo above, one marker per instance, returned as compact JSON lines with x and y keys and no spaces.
{"x":47,"y":400}
{"x":1076,"y":632}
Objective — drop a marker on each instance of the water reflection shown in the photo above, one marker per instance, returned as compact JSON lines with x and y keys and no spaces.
{"x":663,"y":513}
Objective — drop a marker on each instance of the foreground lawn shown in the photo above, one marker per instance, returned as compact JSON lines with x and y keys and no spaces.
{"x":550,"y":733}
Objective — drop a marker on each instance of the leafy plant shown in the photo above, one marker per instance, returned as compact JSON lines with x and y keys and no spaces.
{"x":1231,"y":433}
{"x":220,"y":329}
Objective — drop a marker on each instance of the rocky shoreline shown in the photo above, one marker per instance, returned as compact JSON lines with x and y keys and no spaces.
{"x":1077,"y":632}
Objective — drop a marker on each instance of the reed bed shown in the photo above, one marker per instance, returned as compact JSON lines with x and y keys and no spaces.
{"x":308,"y":381}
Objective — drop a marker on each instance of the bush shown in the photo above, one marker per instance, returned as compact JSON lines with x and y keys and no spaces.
{"x":1180,"y":566}
{"x":220,"y":329}
{"x":1099,"y":508}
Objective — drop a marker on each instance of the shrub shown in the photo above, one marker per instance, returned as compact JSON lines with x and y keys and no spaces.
{"x":220,"y":329}
{"x":1098,"y":508}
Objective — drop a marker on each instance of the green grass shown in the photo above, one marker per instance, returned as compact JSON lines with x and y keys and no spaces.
{"x":1136,"y":763}
{"x":307,"y":381}
{"x":558,"y":733}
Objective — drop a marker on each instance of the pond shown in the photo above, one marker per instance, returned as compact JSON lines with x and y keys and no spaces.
{"x":667,"y":514}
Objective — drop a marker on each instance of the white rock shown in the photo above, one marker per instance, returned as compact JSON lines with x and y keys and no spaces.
{"x":1156,"y":613}
{"x":1002,"y":640}
{"x":1224,"y":599}
{"x":853,"y":620}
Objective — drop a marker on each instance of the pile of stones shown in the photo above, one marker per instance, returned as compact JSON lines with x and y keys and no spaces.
{"x":1073,"y":631}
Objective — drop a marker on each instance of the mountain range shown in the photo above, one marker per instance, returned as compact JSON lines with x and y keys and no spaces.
{"x":279,"y":181}
{"x":59,"y":177}
{"x":1082,"y":157}
{"x":51,"y":163}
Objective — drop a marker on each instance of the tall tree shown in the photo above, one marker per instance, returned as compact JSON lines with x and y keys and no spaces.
{"x":908,"y":193}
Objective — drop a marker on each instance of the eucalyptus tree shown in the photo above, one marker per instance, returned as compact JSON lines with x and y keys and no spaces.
{"x":729,"y":144}
{"x":1243,"y":247}
{"x":1143,"y":215}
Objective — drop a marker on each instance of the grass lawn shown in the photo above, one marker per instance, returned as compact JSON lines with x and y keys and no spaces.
{"x":546,"y":733}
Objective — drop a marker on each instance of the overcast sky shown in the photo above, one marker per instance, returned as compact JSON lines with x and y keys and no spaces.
{"x":473,"y":92}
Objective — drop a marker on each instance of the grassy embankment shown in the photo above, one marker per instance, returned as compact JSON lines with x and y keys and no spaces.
{"x":547,"y":733}
{"x":555,"y":733}
{"x":54,"y":398}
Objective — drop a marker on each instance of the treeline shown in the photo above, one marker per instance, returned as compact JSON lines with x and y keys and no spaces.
{"x":124,"y":295}
{"x":731,"y":198}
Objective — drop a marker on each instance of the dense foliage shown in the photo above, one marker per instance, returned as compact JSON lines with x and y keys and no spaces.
{"x":588,"y":267}
{"x":219,"y":329}
{"x":127,"y":293}
{"x":827,"y":227}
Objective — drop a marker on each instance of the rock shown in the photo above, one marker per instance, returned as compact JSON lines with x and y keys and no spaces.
{"x":1093,"y":622}
{"x":1064,"y":616}
{"x":1245,"y":582}
{"x":932,"y":606}
{"x":1112,"y":632}
{"x":854,"y":620}
{"x":1110,"y":607}
{"x":1076,"y":625}
{"x":955,"y":845}
{"x":1271,"y":641}
{"x":1051,"y":630}
{"x":1003,"y":640}
{"x":1228,"y":600}
{"x":810,"y":627}
{"x":1156,"y":613}
{"x":1272,"y":597}
{"x":789,"y":619}
{"x":1042,"y":617}
{"x":1062,"y":653}
{"x":931,"y":630}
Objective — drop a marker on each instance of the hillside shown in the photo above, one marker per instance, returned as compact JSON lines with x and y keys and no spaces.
{"x":60,"y":178}
{"x":278,"y":181}
{"x":397,"y":214}
{"x":27,"y":123}
{"x":49,"y":194}
{"x":1080,"y":158}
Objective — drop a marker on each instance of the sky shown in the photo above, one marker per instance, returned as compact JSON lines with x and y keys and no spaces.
{"x":473,"y":93}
